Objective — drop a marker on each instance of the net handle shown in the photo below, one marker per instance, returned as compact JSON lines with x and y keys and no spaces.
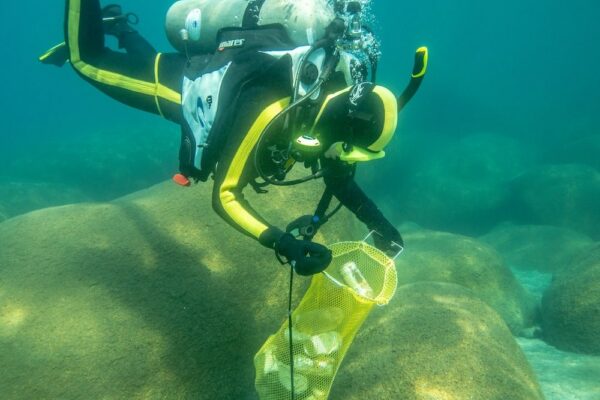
{"x":395,"y":246}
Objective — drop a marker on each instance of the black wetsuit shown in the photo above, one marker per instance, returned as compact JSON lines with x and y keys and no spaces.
{"x":152,"y":82}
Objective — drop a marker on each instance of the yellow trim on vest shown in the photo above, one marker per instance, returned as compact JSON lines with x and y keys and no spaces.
{"x":390,"y":122}
{"x":107,"y":77}
{"x":232,"y":207}
{"x":358,"y":154}
{"x":325,"y":103}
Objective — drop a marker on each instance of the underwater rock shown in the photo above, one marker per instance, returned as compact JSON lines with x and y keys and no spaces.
{"x":3,"y":213}
{"x":571,"y":306}
{"x":450,"y":258}
{"x":562,"y":375}
{"x":103,"y":164}
{"x":21,"y":197}
{"x":539,"y":247}
{"x":562,"y":195}
{"x":463,"y":188}
{"x":582,"y":150}
{"x":149,"y":296}
{"x":435,"y":341}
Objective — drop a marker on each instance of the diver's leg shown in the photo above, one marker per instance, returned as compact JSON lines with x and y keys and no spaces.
{"x":135,"y":44}
{"x":84,"y":32}
{"x":132,"y":79}
{"x":115,"y":24}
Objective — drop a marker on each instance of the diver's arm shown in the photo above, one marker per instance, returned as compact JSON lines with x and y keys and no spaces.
{"x":144,"y":80}
{"x":235,"y":169}
{"x":135,"y":44}
{"x":258,"y":105}
{"x":339,"y":179}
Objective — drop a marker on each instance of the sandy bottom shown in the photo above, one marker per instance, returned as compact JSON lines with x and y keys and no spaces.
{"x":562,"y":375}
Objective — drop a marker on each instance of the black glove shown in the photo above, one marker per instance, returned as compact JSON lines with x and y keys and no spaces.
{"x":385,"y":236}
{"x":115,"y":23}
{"x":306,"y":257}
{"x":385,"y":233}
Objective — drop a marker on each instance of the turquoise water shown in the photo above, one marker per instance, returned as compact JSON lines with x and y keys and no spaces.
{"x":515,"y":68}
{"x":505,"y":131}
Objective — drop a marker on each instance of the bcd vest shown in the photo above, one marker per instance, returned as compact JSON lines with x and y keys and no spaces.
{"x":212,"y":84}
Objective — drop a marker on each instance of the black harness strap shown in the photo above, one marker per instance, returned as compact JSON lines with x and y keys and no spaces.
{"x":324,"y":204}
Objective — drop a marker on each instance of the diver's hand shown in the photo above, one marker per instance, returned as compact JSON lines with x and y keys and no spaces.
{"x":385,"y":237}
{"x":306,"y":257}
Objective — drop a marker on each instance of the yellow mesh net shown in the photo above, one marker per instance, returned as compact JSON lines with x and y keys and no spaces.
{"x":325,"y":323}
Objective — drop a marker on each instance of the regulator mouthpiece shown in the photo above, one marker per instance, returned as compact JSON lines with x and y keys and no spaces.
{"x":355,"y":29}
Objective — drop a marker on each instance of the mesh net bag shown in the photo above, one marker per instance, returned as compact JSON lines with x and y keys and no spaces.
{"x":325,"y":323}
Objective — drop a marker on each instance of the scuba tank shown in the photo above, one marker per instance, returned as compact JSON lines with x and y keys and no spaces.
{"x":193,"y":26}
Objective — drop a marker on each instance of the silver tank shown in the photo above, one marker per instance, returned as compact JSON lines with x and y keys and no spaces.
{"x":197,"y":22}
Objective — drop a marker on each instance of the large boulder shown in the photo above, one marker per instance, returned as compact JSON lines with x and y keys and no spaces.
{"x":571,"y":306}
{"x":3,"y":213}
{"x":21,"y":197}
{"x":464,"y":187}
{"x":562,"y":195}
{"x":150,"y":296}
{"x":103,"y":164}
{"x":581,"y":150}
{"x":450,"y":258}
{"x":436,"y":341}
{"x":539,"y":247}
{"x":562,"y":375}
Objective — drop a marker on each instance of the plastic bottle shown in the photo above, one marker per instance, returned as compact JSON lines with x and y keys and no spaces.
{"x":270,"y":361}
{"x":356,"y":280}
{"x":323,"y":344}
{"x":300,"y":381}
{"x":314,"y":322}
{"x":317,"y":395}
{"x":318,"y":321}
{"x":322,"y":366}
{"x":297,"y":336}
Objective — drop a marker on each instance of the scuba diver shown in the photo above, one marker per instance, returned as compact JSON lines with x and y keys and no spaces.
{"x":257,"y":86}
